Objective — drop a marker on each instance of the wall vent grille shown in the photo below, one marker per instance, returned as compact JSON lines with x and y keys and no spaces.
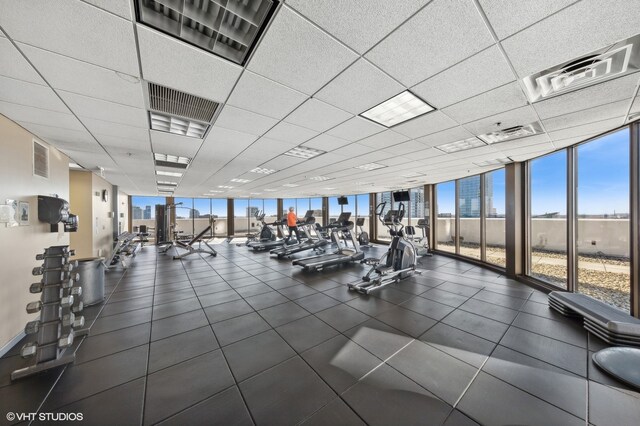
{"x":174,"y":102}
{"x":40,"y":160}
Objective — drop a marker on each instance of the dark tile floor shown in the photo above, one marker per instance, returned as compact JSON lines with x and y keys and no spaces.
{"x":243,"y":338}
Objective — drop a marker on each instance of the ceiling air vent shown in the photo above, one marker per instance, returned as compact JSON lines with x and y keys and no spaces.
{"x":226,"y":28}
{"x":174,"y":102}
{"x":515,"y":132}
{"x":40,"y":160}
{"x":603,"y":64}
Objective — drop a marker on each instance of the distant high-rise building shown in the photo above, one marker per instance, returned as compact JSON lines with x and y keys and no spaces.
{"x":469,"y":196}
{"x":147,"y":212}
{"x":136,"y":212}
{"x":194,"y":214}
{"x":252,"y":211}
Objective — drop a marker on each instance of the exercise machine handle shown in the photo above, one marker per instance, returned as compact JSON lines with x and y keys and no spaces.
{"x":380,"y":208}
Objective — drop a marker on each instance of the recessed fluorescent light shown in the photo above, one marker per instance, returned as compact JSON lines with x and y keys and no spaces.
{"x":167,"y":183}
{"x":270,"y":190}
{"x":398,"y":109}
{"x":603,"y":64}
{"x":304,"y":152}
{"x":320,"y":178}
{"x":329,"y":189}
{"x":215,"y":191}
{"x":461,"y":145}
{"x":494,"y":162}
{"x":290,"y":185}
{"x":178,"y":126}
{"x":166,"y":188}
{"x":263,"y":171}
{"x":413,"y":175}
{"x":370,"y":166}
{"x":163,"y":173}
{"x":255,"y":193}
{"x":240,"y":180}
{"x":165,"y":192}
{"x":364,"y":183}
{"x":225,"y":187}
{"x":167,"y":160}
{"x":511,"y":133}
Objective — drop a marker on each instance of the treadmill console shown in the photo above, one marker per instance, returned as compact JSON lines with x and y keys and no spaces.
{"x":343,"y":219}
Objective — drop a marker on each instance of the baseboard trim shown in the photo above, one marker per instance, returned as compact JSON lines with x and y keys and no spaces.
{"x":11,"y":343}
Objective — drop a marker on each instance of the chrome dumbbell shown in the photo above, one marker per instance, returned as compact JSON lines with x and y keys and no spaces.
{"x":32,"y":327}
{"x":78,"y":308}
{"x":78,"y":322}
{"x":66,"y":301}
{"x":29,"y":350}
{"x":68,"y":319}
{"x":35,"y":288}
{"x":66,"y":340}
{"x":76,"y":291}
{"x":34,"y":307}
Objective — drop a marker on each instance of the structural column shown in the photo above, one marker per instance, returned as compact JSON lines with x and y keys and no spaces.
{"x":634,"y":218}
{"x":230,"y":218}
{"x":515,"y":219}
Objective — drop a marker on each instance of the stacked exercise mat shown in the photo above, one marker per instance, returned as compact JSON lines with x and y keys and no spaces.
{"x":59,"y":307}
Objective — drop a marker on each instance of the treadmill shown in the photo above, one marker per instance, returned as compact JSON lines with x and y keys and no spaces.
{"x":340,"y":229}
{"x":269,"y":245}
{"x":309,"y":244}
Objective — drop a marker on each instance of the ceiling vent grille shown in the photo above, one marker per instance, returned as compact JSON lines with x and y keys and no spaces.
{"x":515,"y":132}
{"x":226,"y":28}
{"x":603,"y":64}
{"x":40,"y":160}
{"x":174,"y":102}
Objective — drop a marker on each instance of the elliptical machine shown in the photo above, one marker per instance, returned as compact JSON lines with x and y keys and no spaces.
{"x":265,"y":234}
{"x":397,"y":263}
{"x":363,"y":236}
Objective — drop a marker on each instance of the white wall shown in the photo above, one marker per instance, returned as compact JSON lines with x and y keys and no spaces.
{"x":19,"y":245}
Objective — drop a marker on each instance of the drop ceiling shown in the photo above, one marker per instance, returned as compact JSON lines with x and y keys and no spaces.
{"x":76,"y":74}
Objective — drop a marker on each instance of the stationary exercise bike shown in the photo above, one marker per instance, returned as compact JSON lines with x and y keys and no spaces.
{"x":422,"y":242}
{"x":397,"y":263}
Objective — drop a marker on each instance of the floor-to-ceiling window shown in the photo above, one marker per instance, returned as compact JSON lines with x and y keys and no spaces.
{"x":446,"y":216}
{"x":202,"y":216}
{"x":183,"y":225}
{"x":469,"y":211}
{"x":602,"y":235}
{"x":143,"y":212}
{"x":362,"y":211}
{"x":315,"y":204}
{"x":548,"y":218}
{"x":270,"y":210}
{"x":286,"y":203}
{"x":495,"y":225}
{"x":382,"y":230}
{"x":219,"y":214}
{"x":241,"y":216}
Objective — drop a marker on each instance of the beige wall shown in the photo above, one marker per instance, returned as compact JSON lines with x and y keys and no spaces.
{"x":19,"y":245}
{"x":123,"y":212}
{"x":95,"y":226}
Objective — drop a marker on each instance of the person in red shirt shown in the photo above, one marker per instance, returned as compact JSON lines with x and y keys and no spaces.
{"x":292,"y":223}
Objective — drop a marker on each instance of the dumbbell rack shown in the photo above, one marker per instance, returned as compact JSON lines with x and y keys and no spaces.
{"x":59,"y":305}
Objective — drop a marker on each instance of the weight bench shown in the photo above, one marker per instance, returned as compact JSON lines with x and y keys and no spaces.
{"x":611,"y":325}
{"x":191,"y":249}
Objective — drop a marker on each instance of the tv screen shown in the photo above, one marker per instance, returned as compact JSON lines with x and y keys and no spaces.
{"x":343,"y":201}
{"x":401,"y":196}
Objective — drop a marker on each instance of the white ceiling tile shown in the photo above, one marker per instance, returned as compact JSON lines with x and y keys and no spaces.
{"x":81,"y":137}
{"x":599,"y":113}
{"x":281,"y":162}
{"x":508,"y":17}
{"x":168,"y":143}
{"x":426,"y":124}
{"x":40,"y":116}
{"x":325,"y":142}
{"x":317,"y":115}
{"x":432,"y":41}
{"x":498,"y":100}
{"x":36,"y":95}
{"x":636,"y":105}
{"x":245,"y":121}
{"x":577,"y":30}
{"x":99,"y":127}
{"x":587,"y":129}
{"x":74,"y":29}
{"x":405,"y":148}
{"x":84,"y":106}
{"x":353,"y":90}
{"x":531,"y":155}
{"x":296,"y":53}
{"x":119,"y":7}
{"x":360,"y":25}
{"x":383,"y":139}
{"x":427,"y":153}
{"x":480,"y":73}
{"x":266,"y":97}
{"x":14,"y":65}
{"x":522,"y":142}
{"x":515,"y":117}
{"x":86,"y":79}
{"x":453,"y":134}
{"x":225,"y":143}
{"x":265,"y":148}
{"x":355,"y":129}
{"x":290,"y":133}
{"x":179,"y":65}
{"x":351,"y":151}
{"x":599,"y":94}
{"x":525,"y":149}
{"x":120,"y":142}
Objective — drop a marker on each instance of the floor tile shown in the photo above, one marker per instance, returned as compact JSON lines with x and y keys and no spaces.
{"x":178,"y":324}
{"x":608,"y":406}
{"x":285,"y":394}
{"x":235,"y":329}
{"x":342,"y":317}
{"x":459,"y":289}
{"x":172,"y":350}
{"x":254,"y":289}
{"x":306,"y":332}
{"x":280,"y":282}
{"x":182,"y":385}
{"x":26,"y":394}
{"x":219,"y":297}
{"x":316,"y":302}
{"x":500,"y":299}
{"x":227,"y":310}
{"x":297,"y":291}
{"x":457,"y":343}
{"x":126,"y":306}
{"x":282,"y":314}
{"x":393,"y":294}
{"x":405,"y":320}
{"x":116,"y":322}
{"x":378,"y":338}
{"x":334,"y":413}
{"x":266,"y":300}
{"x":444,"y":297}
{"x":370,"y":305}
{"x":567,"y":331}
{"x":489,"y":310}
{"x":456,"y":418}
{"x":341,"y":293}
{"x":109,"y":343}
{"x":256,"y":354}
{"x":186,"y":293}
{"x":225,"y":408}
{"x":429,"y":308}
{"x":175,"y":308}
{"x":523,"y":407}
{"x":475,"y":324}
{"x":386,"y":397}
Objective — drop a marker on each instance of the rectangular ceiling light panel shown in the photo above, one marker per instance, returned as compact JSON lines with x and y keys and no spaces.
{"x":177,"y":126}
{"x":398,"y":109}
{"x":461,"y":145}
{"x":511,"y":133}
{"x":226,"y":28}
{"x":320,"y":178}
{"x":175,"y":161}
{"x":167,"y":183}
{"x":225,"y":186}
{"x":304,"y":152}
{"x":263,"y":171}
{"x":370,"y":166}
{"x":603,"y":64}
{"x":240,"y":180}
{"x":172,"y":174}
{"x":494,"y":162}
{"x":290,"y":185}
